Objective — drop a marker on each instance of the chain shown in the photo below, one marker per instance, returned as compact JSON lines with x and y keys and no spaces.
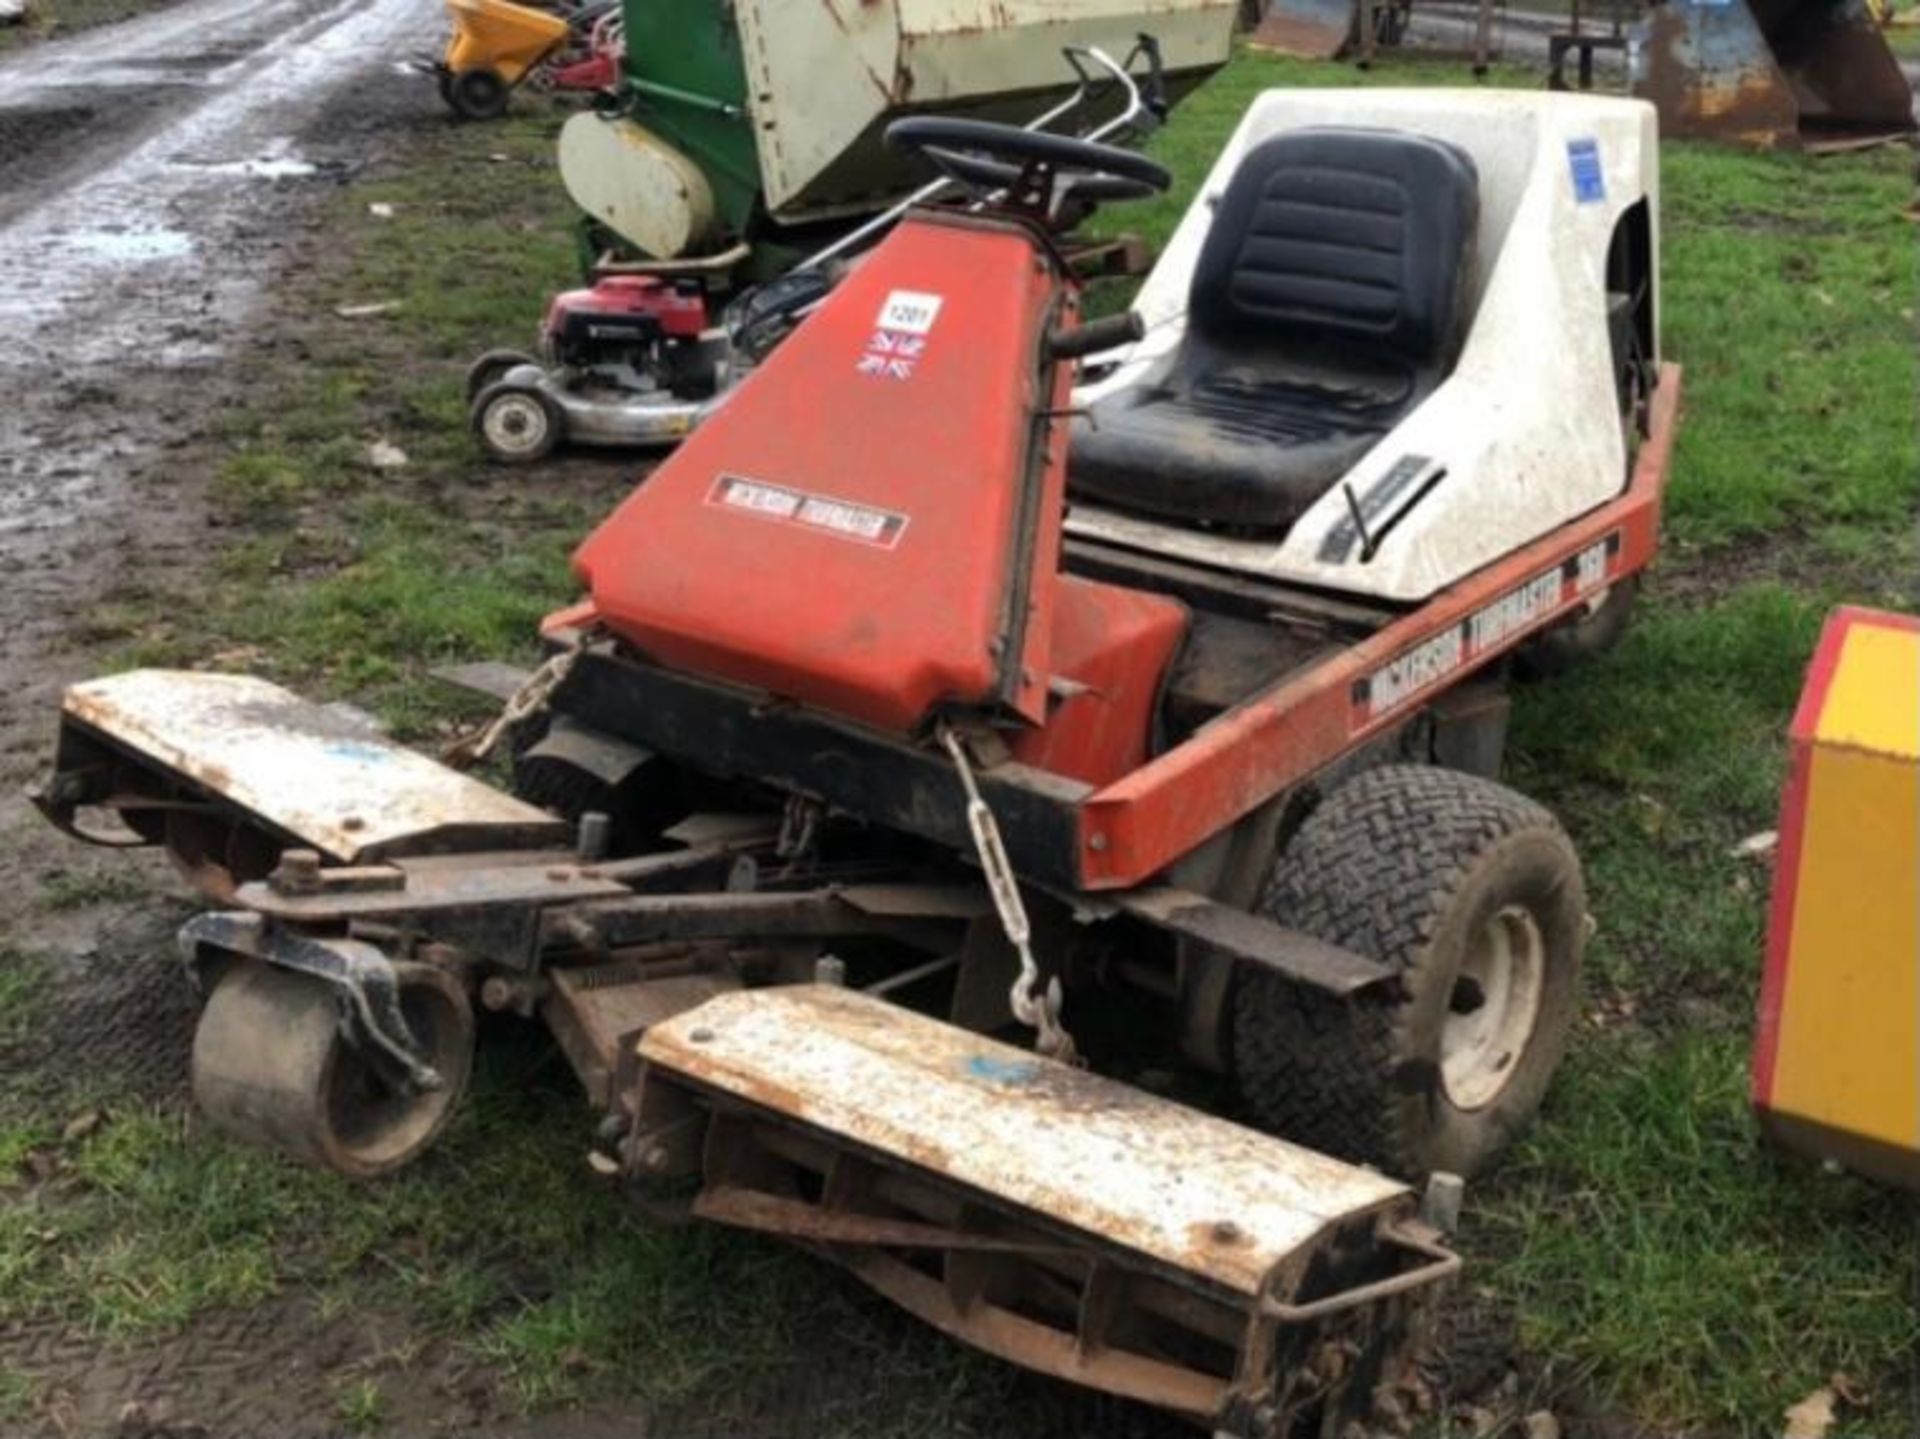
{"x":1033,"y":1005}
{"x":530,"y":699}
{"x":799,"y":827}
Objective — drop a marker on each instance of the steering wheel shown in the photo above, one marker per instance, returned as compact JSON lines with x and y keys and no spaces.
{"x":1038,"y":169}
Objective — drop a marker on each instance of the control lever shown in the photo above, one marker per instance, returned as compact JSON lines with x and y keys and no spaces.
{"x":1094,"y":336}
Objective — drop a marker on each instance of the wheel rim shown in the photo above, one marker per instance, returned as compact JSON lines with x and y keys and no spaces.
{"x":515,"y":425}
{"x":1494,"y":1007}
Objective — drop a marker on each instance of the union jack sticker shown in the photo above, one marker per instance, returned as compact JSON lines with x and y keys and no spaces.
{"x":892,"y":355}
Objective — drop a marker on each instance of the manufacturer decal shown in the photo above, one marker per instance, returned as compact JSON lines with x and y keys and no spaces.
{"x":1493,"y":627}
{"x":844,"y":519}
{"x":1589,"y":179}
{"x":899,"y":336}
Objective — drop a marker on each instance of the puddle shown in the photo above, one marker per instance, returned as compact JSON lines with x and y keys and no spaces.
{"x":133,"y":244}
{"x":275,"y":160}
{"x":264,"y":169}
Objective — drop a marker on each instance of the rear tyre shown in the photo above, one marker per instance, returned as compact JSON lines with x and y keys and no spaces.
{"x":1574,"y":642}
{"x":1474,"y":895}
{"x":478,"y":95}
{"x":270,"y":1066}
{"x":492,"y":367}
{"x":516,"y":424}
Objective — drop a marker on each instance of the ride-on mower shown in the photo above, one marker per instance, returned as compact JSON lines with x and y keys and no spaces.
{"x":935,"y":748}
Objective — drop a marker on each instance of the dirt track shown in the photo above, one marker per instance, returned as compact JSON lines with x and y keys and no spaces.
{"x":149,"y":172}
{"x":140,"y":168}
{"x":156,"y":179}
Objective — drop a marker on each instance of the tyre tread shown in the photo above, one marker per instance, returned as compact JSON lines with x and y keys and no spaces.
{"x":1372,"y":869}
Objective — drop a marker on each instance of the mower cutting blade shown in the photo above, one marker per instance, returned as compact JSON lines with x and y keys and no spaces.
{"x":1058,"y":1219}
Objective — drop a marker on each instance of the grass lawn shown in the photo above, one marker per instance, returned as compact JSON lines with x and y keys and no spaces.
{"x":1656,"y":1261}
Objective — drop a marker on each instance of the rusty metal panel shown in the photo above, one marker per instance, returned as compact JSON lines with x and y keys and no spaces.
{"x":1311,"y":29}
{"x":317,"y":773}
{"x":1211,"y":1199}
{"x":826,"y":75}
{"x":1772,"y":73}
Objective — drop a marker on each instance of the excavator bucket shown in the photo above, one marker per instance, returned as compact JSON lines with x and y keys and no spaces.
{"x":1057,"y":1219}
{"x":1774,"y":73}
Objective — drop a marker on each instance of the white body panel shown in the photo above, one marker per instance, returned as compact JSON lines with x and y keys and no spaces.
{"x":1527,"y":426}
{"x":827,"y":74}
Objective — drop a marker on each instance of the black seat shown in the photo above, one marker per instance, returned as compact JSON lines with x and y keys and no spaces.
{"x":1325,"y":307}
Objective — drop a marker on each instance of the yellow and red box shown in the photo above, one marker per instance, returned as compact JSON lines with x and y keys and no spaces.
{"x":1836,"y":1064}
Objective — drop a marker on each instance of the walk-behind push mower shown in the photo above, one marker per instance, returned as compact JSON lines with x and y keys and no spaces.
{"x":649,"y":350}
{"x":877,"y":815}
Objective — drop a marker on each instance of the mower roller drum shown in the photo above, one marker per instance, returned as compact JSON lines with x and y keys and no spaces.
{"x":272,"y":1065}
{"x":1473,"y":895}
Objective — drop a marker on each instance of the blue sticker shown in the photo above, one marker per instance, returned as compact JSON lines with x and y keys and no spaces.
{"x":358,"y":751}
{"x":1589,"y":183}
{"x":1001,"y":1071}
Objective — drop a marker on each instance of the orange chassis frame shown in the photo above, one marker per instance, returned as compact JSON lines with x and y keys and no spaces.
{"x":1134,"y":828}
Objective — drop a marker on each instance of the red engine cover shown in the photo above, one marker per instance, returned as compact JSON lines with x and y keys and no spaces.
{"x":680,"y":314}
{"x":867,"y":527}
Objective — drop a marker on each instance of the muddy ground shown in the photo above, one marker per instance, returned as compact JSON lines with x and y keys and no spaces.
{"x":158,"y":191}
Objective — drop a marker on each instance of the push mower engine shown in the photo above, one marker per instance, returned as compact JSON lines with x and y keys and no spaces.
{"x":635,"y":328}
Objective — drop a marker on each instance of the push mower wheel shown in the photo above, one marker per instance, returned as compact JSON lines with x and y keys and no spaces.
{"x":517,"y":424}
{"x":1474,"y":894}
{"x":478,"y":95}
{"x":270,"y":1066}
{"x":1557,"y":650}
{"x":492,"y":367}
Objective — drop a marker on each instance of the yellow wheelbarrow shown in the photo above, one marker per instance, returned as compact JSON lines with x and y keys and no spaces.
{"x":495,"y":45}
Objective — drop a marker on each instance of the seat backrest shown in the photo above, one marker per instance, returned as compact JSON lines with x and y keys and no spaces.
{"x":1341,"y":240}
